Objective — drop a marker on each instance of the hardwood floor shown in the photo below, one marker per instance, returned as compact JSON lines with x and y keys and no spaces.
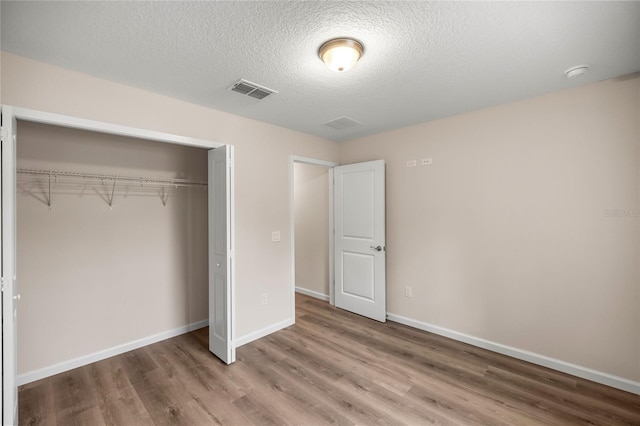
{"x":331,"y":367}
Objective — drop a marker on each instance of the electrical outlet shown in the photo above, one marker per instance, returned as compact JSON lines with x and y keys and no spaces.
{"x":411,"y":163}
{"x":264,"y":299}
{"x":427,"y":161}
{"x":408,"y":292}
{"x":275,"y":236}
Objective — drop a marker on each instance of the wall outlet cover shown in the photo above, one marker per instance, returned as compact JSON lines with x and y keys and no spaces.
{"x":408,"y":292}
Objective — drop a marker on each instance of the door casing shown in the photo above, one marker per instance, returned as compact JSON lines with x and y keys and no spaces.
{"x":10,"y":295}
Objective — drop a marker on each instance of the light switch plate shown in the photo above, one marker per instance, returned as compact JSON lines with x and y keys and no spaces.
{"x":275,"y":236}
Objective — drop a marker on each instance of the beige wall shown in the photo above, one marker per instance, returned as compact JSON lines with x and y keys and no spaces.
{"x":261,"y":168}
{"x":505,"y":236}
{"x":92,"y":277}
{"x":311,"y":207}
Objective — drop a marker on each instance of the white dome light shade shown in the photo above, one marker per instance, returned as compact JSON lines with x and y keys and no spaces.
{"x":340,"y":54}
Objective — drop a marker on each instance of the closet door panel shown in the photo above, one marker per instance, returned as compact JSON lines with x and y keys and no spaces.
{"x":221,"y":254}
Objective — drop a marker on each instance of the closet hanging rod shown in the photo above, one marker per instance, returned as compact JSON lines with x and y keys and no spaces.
{"x":119,"y":178}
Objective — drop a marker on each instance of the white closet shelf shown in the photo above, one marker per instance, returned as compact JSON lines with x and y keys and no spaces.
{"x":140,"y":180}
{"x":107,"y":186}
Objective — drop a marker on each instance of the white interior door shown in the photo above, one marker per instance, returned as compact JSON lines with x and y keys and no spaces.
{"x":10,"y":294}
{"x":221,"y":260}
{"x":360,"y":256}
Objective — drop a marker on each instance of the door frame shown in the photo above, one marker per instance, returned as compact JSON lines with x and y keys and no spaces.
{"x":25,"y":114}
{"x":292,"y":255}
{"x":9,"y":363}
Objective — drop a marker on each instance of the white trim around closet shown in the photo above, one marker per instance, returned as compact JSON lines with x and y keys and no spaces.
{"x":42,"y":117}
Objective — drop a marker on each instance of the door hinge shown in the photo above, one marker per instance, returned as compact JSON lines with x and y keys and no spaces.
{"x":3,"y":134}
{"x":3,"y":284}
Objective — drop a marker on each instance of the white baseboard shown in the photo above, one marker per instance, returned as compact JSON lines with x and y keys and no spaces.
{"x":545,"y":361}
{"x":61,"y":367}
{"x":263,"y":332}
{"x":312,"y":293}
{"x":534,"y":358}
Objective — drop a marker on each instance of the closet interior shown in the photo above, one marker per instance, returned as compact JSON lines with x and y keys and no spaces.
{"x":112,"y":241}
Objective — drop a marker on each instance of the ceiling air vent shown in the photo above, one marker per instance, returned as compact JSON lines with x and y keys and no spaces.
{"x":342,"y":123}
{"x":248,"y":88}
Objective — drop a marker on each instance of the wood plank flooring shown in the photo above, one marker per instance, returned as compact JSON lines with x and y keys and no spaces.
{"x":332,"y":367}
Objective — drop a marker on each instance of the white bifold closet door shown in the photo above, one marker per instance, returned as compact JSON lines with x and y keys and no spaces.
{"x":221,"y":261}
{"x":10,"y":296}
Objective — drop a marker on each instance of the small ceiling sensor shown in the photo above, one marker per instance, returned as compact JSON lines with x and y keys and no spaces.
{"x":576,"y":71}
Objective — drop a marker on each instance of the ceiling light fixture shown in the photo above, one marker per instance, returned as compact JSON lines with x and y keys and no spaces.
{"x":341,"y":54}
{"x":576,"y":71}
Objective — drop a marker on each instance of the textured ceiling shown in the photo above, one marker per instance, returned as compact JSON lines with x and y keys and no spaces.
{"x":422,"y":60}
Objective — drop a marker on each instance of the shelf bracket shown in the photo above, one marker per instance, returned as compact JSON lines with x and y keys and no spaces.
{"x":164,"y":196}
{"x":49,"y":199}
{"x":113,"y":193}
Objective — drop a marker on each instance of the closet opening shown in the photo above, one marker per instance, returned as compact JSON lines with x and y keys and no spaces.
{"x":109,"y":243}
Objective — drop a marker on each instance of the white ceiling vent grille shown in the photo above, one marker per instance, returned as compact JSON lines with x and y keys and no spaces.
{"x":342,"y":123}
{"x":254,"y":90}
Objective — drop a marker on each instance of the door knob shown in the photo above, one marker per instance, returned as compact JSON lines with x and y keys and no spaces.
{"x":379,"y":248}
{"x":17,"y":297}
